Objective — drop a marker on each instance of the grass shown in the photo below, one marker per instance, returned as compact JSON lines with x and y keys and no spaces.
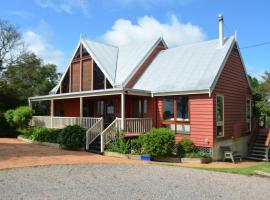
{"x":264,"y":167}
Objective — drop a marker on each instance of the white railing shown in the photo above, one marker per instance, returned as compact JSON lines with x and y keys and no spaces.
{"x":62,"y":122}
{"x":110,"y":133}
{"x":137,"y":125}
{"x":93,"y":132}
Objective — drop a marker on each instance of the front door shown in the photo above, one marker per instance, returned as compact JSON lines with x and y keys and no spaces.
{"x":109,"y":113}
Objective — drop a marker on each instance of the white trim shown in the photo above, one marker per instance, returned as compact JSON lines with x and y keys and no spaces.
{"x":223,"y":121}
{"x":180,"y":93}
{"x":213,"y":85}
{"x":211,"y":89}
{"x":93,"y":93}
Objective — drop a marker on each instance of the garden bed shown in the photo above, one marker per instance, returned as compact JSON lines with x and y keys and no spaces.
{"x":196,"y":160}
{"x":22,"y":138}
{"x":121,"y":155}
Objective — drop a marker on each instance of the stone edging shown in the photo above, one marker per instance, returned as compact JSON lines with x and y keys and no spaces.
{"x":120,"y":155}
{"x":261,"y":173}
{"x":54,"y":145}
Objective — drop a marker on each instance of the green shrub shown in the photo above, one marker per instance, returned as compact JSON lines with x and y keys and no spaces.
{"x":19,"y":117}
{"x":185,"y":146}
{"x":26,"y":132}
{"x":158,"y":142}
{"x":53,"y":136}
{"x":119,"y":144}
{"x":9,"y":117}
{"x":40,"y":134}
{"x":136,"y":145}
{"x":72,"y":137}
{"x":196,"y":155}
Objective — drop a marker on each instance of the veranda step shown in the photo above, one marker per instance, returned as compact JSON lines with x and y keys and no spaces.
{"x":258,"y":148}
{"x":257,"y":155}
{"x":258,"y":151}
{"x":256,"y":158}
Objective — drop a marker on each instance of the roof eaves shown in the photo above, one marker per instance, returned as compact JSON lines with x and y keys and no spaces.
{"x":124,"y":83}
{"x":172,"y":93}
{"x":213,"y":85}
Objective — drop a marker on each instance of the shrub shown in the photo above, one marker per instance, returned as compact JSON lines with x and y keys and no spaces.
{"x":40,"y":134}
{"x":196,"y":155}
{"x":136,"y":145}
{"x":19,"y":117}
{"x":72,"y":137}
{"x":53,"y":136}
{"x":185,"y":146}
{"x":26,"y":132}
{"x":119,"y":144}
{"x":158,"y":142}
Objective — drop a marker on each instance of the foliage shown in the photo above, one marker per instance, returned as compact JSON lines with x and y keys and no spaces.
{"x":158,"y":142}
{"x":39,"y":134}
{"x":196,"y":154}
{"x":19,"y":117}
{"x":72,"y":137}
{"x":136,"y":145}
{"x":185,"y":146}
{"x":10,"y":44}
{"x":119,"y":144}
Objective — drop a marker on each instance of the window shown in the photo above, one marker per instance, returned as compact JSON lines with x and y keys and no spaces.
{"x":100,"y":108}
{"x":84,"y":52}
{"x":176,"y":114}
{"x":168,"y":108}
{"x":98,"y":78}
{"x":248,"y":115}
{"x":137,"y":108}
{"x":145,"y":108}
{"x":77,"y":54}
{"x":182,"y":108}
{"x":220,"y":116}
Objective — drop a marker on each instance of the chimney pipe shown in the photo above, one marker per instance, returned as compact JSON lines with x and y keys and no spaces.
{"x":221,"y":31}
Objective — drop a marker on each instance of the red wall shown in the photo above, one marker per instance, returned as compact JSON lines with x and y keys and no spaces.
{"x":234,"y":86}
{"x":71,"y":107}
{"x":201,"y":119}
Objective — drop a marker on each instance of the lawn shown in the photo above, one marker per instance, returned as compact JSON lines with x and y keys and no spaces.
{"x":264,"y":167}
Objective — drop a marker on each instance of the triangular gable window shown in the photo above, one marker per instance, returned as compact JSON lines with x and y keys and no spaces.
{"x":77,"y":55}
{"x":84,"y":52}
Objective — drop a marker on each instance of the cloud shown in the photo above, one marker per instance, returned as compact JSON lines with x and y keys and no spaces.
{"x":66,"y":6}
{"x":39,"y":45}
{"x":149,"y":3}
{"x":21,"y":14}
{"x":175,"y":33}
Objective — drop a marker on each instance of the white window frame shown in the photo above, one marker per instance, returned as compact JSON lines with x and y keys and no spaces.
{"x":222,"y":96}
{"x":250,"y":111}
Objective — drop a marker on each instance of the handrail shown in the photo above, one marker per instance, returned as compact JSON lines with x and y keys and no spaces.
{"x":110,"y":133}
{"x":253,"y":132}
{"x":267,"y":142}
{"x":93,"y":132}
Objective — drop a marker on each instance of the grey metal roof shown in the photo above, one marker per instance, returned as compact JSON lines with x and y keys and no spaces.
{"x":105,"y":56}
{"x":185,"y":68}
{"x":182,"y":69}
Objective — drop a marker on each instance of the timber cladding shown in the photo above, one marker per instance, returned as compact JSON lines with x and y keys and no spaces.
{"x":233,"y":85}
{"x":75,"y":77}
{"x":87,"y":74}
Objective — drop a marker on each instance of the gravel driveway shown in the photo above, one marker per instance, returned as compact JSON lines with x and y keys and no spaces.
{"x":125,"y":181}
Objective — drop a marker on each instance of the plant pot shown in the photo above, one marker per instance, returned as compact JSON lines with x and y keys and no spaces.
{"x":196,"y":160}
{"x":145,"y":157}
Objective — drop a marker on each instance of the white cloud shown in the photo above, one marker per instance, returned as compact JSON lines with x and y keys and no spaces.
{"x":174,"y":33}
{"x":66,"y":6}
{"x":149,"y":3}
{"x":21,"y":14}
{"x":39,"y":45}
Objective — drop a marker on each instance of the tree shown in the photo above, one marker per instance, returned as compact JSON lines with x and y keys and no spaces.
{"x":11,"y":45}
{"x":264,"y":91}
{"x":29,"y":77}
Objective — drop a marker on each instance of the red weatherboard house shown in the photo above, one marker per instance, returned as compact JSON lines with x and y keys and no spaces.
{"x":199,"y":91}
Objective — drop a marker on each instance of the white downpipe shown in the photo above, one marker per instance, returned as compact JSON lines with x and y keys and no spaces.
{"x":102,"y":146}
{"x":122,"y":111}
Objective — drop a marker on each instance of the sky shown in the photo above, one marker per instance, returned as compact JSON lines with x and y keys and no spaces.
{"x":52,"y":28}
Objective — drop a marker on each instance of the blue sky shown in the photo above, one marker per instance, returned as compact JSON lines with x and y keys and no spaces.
{"x":51,"y":28}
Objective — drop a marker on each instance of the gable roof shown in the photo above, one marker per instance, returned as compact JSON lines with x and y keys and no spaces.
{"x":186,"y":68}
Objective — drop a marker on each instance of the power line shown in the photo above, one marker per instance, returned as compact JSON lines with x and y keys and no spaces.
{"x":256,"y":45}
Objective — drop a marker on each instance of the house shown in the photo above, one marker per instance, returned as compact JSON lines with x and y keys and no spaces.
{"x":200,"y":91}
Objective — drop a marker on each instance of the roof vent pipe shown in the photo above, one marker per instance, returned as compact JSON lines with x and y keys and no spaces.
{"x":221,"y":31}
